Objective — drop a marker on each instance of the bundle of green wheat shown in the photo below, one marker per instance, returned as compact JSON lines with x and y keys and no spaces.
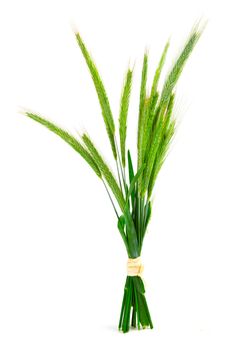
{"x":130,"y":193}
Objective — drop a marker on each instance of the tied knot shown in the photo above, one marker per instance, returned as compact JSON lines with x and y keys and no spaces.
{"x":135,"y":267}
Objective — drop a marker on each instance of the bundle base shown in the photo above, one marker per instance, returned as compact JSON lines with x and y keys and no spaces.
{"x":134,"y":311}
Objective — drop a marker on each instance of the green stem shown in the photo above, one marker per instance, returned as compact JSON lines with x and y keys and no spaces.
{"x":122,"y":309}
{"x":138,"y":222}
{"x":110,"y":198}
{"x":137,"y":308}
{"x":119,"y":178}
{"x":121,"y":167}
{"x":134,"y":303}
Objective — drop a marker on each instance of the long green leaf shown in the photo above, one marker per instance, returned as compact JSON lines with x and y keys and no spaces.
{"x":124,"y":105}
{"x":102,"y":95}
{"x":133,"y":183}
{"x":67,"y":138}
{"x":131,"y":235}
{"x":131,"y":176}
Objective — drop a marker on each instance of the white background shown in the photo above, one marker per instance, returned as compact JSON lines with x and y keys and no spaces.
{"x":62,"y":261}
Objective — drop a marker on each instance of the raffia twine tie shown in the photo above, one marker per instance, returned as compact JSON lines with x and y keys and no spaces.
{"x":135,"y":267}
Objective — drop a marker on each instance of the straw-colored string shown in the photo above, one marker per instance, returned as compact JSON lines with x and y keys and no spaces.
{"x":135,"y":267}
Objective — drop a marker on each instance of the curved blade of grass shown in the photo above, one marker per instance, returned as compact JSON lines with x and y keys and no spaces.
{"x":67,"y":138}
{"x":125,"y":98}
{"x":105,"y":171}
{"x":102,"y":95}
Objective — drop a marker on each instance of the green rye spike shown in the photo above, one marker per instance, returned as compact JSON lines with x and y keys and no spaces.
{"x":101,"y":93}
{"x":124,"y":105}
